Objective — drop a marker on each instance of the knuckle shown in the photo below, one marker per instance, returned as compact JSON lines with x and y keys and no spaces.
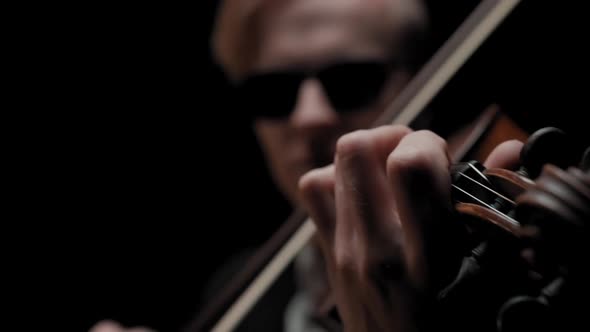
{"x":408,"y":160}
{"x":316,"y":181}
{"x":344,"y":262}
{"x":356,"y":143}
{"x":433,"y":137}
{"x":397,"y":129}
{"x":310,"y":182}
{"x":412,"y":158}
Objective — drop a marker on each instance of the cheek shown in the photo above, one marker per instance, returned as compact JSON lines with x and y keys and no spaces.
{"x":274,"y":140}
{"x":271,"y":136}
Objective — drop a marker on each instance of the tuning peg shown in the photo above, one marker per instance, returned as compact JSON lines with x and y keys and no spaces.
{"x":548,"y":145}
{"x":528,"y":313}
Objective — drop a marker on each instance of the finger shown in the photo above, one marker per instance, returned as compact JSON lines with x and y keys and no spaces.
{"x":106,"y":326}
{"x":418,"y":170}
{"x":362,"y":195}
{"x":505,"y":155}
{"x":317,"y":193}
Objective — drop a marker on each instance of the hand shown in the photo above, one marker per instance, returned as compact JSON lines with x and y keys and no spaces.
{"x":111,"y":326}
{"x":380,"y":212}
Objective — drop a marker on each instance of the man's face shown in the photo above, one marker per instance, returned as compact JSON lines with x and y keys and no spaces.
{"x":312,"y":35}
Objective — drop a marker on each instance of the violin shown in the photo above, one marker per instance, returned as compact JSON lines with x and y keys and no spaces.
{"x":525,"y":231}
{"x":485,"y":227}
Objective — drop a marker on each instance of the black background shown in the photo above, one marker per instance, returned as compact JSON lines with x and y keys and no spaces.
{"x":136,"y":176}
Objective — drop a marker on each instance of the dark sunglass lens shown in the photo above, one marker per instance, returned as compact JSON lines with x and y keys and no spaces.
{"x":353,"y":86}
{"x":269,"y":95}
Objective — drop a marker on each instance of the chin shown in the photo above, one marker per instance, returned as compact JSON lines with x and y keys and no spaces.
{"x":289,"y":182}
{"x":293,"y":195}
{"x":291,"y":190}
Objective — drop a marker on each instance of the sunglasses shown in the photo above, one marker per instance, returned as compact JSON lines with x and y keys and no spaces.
{"x":349,"y":87}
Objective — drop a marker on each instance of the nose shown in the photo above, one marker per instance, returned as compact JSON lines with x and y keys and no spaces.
{"x":313,"y":112}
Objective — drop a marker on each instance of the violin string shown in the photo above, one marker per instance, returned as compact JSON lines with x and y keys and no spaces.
{"x":514,"y":222}
{"x":478,"y":171}
{"x":488,"y":189}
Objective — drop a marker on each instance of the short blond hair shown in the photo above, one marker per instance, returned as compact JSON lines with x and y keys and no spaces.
{"x":235,"y":37}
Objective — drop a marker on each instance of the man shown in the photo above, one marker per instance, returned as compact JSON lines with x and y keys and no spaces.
{"x":310,"y":71}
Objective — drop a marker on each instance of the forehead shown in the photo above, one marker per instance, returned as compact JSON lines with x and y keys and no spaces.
{"x":312,"y":32}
